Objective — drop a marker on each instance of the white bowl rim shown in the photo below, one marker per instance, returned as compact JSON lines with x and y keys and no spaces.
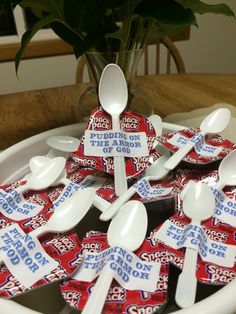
{"x":37,"y":143}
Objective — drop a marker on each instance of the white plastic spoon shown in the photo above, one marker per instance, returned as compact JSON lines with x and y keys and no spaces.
{"x":113,"y":96}
{"x":156,"y":123}
{"x":215,"y":122}
{"x":62,"y":146}
{"x":158,"y":127}
{"x":227,"y":174}
{"x":68,"y":214}
{"x":45,"y":176}
{"x":128,"y":230}
{"x":39,"y":162}
{"x":198,"y":205}
{"x":227,"y":171}
{"x":64,"y":143}
{"x":155,"y":172}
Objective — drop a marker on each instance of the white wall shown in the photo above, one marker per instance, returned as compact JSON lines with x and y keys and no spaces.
{"x":211,"y":48}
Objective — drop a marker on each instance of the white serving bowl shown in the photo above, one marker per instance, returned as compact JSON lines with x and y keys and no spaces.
{"x":14,"y":165}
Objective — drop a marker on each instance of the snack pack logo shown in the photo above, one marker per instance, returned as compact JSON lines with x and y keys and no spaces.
{"x":141,"y":309}
{"x":3,"y":223}
{"x":161,"y":256}
{"x":177,"y":222}
{"x":99,"y":123}
{"x":220,"y":275}
{"x":35,"y":222}
{"x":36,"y":198}
{"x":88,"y":162}
{"x":85,"y":162}
{"x":12,"y":286}
{"x":71,"y":166}
{"x":107,"y":163}
{"x":162,"y":283}
{"x":129,"y":123}
{"x":152,"y":239}
{"x":53,"y":195}
{"x":149,"y":124}
{"x":216,"y":235}
{"x":62,"y":245}
{"x":56,"y":274}
{"x":115,"y":294}
{"x":176,"y":260}
{"x":72,"y":297}
{"x":76,"y":177}
{"x":140,"y":163}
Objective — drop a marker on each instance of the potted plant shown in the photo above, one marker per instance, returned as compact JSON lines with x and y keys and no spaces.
{"x":105,"y":31}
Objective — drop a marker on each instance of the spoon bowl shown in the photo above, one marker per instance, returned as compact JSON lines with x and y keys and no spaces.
{"x":37,"y":162}
{"x":215,"y":122}
{"x":133,"y":218}
{"x":44,"y":176}
{"x":198,"y":205}
{"x":227,"y":171}
{"x":199,"y":202}
{"x":113,"y":98}
{"x":64,"y":143}
{"x":68,"y":214}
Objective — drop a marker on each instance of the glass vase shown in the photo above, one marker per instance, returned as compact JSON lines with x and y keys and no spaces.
{"x":128,"y":61}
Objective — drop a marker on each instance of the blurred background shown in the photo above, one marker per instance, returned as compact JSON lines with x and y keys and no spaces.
{"x":210,"y":49}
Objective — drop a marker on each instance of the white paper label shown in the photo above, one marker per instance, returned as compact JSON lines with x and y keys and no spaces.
{"x":129,"y":270}
{"x":225,"y":209}
{"x":24,"y":256}
{"x":200,"y":145}
{"x":71,"y":188}
{"x":144,"y":189}
{"x":193,"y":236}
{"x":14,"y":206}
{"x":110,"y":143}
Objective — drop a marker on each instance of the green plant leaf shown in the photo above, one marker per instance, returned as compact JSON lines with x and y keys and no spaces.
{"x":200,"y":7}
{"x":166,"y":12}
{"x":90,"y":15}
{"x":53,"y":7}
{"x":69,"y":36}
{"x":26,"y":38}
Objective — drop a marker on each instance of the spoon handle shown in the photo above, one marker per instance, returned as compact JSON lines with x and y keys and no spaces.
{"x":39,"y":231}
{"x":176,"y":158}
{"x":119,"y":163}
{"x":99,"y":292}
{"x":120,"y":176}
{"x":115,"y":206}
{"x":100,"y":203}
{"x":187,"y":281}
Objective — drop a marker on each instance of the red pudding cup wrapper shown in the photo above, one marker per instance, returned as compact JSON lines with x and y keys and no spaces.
{"x":130,"y":122}
{"x":193,"y":157}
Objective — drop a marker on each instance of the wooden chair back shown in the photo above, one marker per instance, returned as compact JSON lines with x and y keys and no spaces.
{"x":173,"y":57}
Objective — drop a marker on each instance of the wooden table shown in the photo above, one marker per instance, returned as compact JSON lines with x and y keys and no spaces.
{"x":28,"y":113}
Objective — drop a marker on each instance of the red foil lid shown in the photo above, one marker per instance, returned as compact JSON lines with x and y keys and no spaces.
{"x":130,"y":122}
{"x":210,"y":139}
